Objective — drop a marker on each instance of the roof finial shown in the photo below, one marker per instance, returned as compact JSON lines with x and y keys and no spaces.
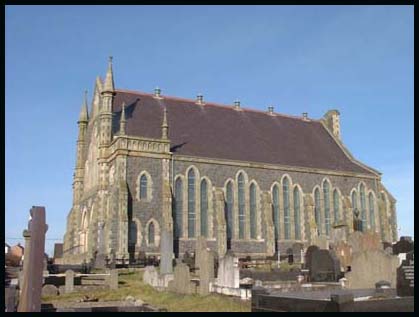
{"x":109,"y":84}
{"x":164,"y":126}
{"x":84,"y":116}
{"x":122,"y":121}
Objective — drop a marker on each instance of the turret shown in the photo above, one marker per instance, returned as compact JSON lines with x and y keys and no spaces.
{"x":164,"y":126}
{"x":96,"y":97}
{"x":81,"y":142}
{"x":122,"y":121}
{"x":105,"y":112}
{"x":332,"y":121}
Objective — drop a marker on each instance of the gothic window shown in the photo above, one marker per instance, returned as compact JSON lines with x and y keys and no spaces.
{"x":143,"y":187}
{"x":204,"y":208}
{"x":191,"y":203}
{"x":178,"y":208}
{"x":241,"y":205}
{"x":326,"y":193}
{"x":253,"y":211}
{"x":354,"y":200}
{"x":229,"y":209}
{"x":372,"y":213}
{"x":151,"y":234}
{"x":317,"y":210}
{"x":285,"y":189}
{"x":363,"y":207}
{"x":275,"y":207}
{"x":297,"y":213}
{"x":336,"y":205}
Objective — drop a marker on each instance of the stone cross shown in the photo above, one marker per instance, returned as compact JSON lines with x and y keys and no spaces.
{"x":206,"y":271}
{"x":30,"y":297}
{"x":221,"y":222}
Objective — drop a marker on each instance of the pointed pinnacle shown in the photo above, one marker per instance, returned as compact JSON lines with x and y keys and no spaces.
{"x":164,"y":124}
{"x":123,"y":113}
{"x":109,"y":84}
{"x":84,"y":116}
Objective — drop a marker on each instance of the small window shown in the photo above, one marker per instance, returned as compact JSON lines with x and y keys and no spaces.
{"x":143,"y":187}
{"x":151,"y":234}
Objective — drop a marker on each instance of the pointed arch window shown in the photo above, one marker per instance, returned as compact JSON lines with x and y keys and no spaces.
{"x":229,"y":209}
{"x":286,"y":198}
{"x":151,"y":234}
{"x":363,"y":207}
{"x":326,"y":197}
{"x":241,"y":205}
{"x":336,"y":205}
{"x":297,"y":213}
{"x":143,"y":187}
{"x":275,"y":209}
{"x":204,"y":208}
{"x":317,"y":210}
{"x":371,"y":202}
{"x":253,"y":211}
{"x":191,"y":203}
{"x":178,"y":208}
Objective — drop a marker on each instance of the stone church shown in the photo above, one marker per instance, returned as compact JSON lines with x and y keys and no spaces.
{"x":153,"y":173}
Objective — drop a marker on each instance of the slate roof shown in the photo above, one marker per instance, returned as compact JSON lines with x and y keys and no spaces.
{"x":217,"y":131}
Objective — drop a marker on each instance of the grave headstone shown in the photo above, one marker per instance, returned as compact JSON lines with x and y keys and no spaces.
{"x":228,"y":274}
{"x":206,"y":271}
{"x":405,"y":276}
{"x":166,"y":251}
{"x":200,"y":246}
{"x":343,"y":251}
{"x":296,"y":251}
{"x":150,"y":275}
{"x":100,"y":261}
{"x":369,"y":267}
{"x":325,"y":266}
{"x":58,"y":250}
{"x":30,"y":296}
{"x":181,"y":282}
{"x":404,"y":245}
{"x":69,"y":281}
{"x":308,"y":256}
{"x":364,"y":241}
{"x":113,"y":279}
{"x":49,"y":290}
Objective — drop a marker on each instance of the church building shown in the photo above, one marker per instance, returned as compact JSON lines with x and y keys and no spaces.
{"x":154,"y":173}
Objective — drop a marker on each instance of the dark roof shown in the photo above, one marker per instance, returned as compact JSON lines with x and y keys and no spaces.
{"x":217,"y":131}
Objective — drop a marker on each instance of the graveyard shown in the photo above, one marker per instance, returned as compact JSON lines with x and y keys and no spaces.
{"x":355,"y":272}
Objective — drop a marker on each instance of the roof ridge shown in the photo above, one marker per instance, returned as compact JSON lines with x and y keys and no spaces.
{"x":215,"y":104}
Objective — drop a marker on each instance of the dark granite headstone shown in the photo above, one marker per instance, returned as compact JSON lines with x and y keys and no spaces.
{"x":324,"y":266}
{"x":404,"y":245}
{"x":309,"y":256}
{"x":58,"y":250}
{"x":405,"y":276}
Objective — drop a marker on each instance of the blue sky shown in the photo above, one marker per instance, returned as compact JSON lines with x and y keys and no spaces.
{"x":358,"y":59}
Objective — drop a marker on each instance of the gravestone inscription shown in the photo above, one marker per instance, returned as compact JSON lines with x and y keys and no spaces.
{"x":325,"y":266}
{"x":406,"y":277}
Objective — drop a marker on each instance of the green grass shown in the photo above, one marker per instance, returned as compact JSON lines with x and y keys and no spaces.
{"x":131,"y":284}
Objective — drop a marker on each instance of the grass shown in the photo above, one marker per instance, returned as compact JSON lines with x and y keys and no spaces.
{"x":131,"y":284}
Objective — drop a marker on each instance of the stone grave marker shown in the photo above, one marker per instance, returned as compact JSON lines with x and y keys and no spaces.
{"x":228,"y":274}
{"x":31,"y":289}
{"x":150,"y":275}
{"x":343,"y":251}
{"x":58,"y":250}
{"x":296,"y":251}
{"x":371,"y":266}
{"x":49,"y":290}
{"x":309,"y":256}
{"x":182,"y":280}
{"x":206,"y":270}
{"x":69,"y":281}
{"x":405,"y":276}
{"x":113,"y":279}
{"x":325,"y":266}
{"x":200,"y":246}
{"x":365,"y":241}
{"x":404,"y":245}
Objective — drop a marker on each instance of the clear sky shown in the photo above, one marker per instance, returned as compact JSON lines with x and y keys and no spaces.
{"x":358,"y":59}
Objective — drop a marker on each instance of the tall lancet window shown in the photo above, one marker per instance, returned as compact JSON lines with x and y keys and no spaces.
{"x":151,"y":233}
{"x":178,"y":208}
{"x":363,"y":207}
{"x":241,"y":205}
{"x":253,"y":211}
{"x":317,"y":210}
{"x":371,"y":202}
{"x":336,"y":205}
{"x":191,"y":203}
{"x":287,"y":224}
{"x":204,"y":208}
{"x":275,"y":210}
{"x":143,"y":187}
{"x":229,"y":209}
{"x":326,"y":193}
{"x":297,"y":213}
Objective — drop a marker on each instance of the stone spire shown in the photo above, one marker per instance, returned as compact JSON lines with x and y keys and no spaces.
{"x":122,"y":121}
{"x":164,"y":126}
{"x":84,"y":116}
{"x":109,"y":85}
